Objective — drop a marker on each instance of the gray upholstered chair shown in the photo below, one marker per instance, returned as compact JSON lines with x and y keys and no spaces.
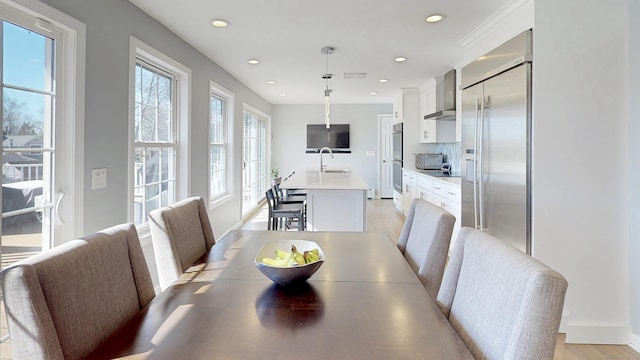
{"x":64,"y":302}
{"x":424,"y":242}
{"x":181,"y":234}
{"x":503,"y":303}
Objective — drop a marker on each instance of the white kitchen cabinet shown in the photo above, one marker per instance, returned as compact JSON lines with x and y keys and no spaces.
{"x":441,"y":193}
{"x":427,"y":128}
{"x":409,"y":190}
{"x":397,"y":200}
{"x":434,"y":131}
{"x":405,"y":105}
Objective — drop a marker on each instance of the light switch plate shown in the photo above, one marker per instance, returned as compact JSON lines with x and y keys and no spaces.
{"x":371,"y":153}
{"x":98,"y":178}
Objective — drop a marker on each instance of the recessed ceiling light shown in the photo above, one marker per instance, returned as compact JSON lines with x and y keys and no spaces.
{"x":434,"y":18}
{"x":383,"y":80}
{"x":271,"y":82}
{"x":253,"y":61}
{"x":220,"y":23}
{"x":400,"y":59}
{"x":373,"y":93}
{"x":283,"y":94}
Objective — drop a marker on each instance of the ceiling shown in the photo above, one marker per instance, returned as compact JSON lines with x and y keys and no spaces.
{"x":287,"y":37}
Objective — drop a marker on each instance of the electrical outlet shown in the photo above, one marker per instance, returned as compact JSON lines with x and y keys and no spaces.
{"x":98,"y":178}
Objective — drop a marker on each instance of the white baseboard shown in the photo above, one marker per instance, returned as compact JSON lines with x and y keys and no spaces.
{"x":635,"y":342}
{"x":598,"y":334}
{"x":563,"y":323}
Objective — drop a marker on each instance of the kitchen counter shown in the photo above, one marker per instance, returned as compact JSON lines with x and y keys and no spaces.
{"x":336,"y":199}
{"x":454,"y":178}
{"x":328,"y":180}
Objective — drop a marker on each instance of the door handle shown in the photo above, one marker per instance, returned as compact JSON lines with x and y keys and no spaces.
{"x":475,"y":164}
{"x":480,"y":165}
{"x":59,"y":206}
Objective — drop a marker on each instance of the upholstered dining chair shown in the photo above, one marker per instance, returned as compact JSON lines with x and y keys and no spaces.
{"x":64,"y":302}
{"x":424,"y":242}
{"x":181,"y":234}
{"x":503,"y":303}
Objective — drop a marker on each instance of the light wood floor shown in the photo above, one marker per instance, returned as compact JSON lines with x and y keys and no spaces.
{"x":382,"y":216}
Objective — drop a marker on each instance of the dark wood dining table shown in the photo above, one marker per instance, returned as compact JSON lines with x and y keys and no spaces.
{"x":364,"y":302}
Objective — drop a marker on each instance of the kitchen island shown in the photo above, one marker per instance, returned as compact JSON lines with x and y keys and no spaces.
{"x":336,"y":199}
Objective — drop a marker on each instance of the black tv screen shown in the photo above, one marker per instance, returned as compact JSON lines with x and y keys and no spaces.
{"x":336,"y":137}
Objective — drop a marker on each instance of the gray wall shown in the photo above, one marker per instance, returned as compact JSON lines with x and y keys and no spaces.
{"x":109,"y":25}
{"x":580,"y":160}
{"x":634,"y":164}
{"x":289,"y":128}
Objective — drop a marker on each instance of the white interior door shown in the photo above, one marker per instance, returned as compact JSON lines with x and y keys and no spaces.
{"x":385,"y":178}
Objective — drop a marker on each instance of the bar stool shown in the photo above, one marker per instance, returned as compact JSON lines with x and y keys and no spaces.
{"x":284,"y":214}
{"x":289,"y":198}
{"x":294,"y":191}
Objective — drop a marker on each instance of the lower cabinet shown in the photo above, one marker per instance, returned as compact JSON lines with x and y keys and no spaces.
{"x":409,"y":191}
{"x":440,"y":193}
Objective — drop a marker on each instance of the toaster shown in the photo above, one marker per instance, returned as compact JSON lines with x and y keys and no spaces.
{"x":429,"y":161}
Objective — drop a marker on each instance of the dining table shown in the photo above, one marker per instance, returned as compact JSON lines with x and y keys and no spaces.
{"x":364,"y":302}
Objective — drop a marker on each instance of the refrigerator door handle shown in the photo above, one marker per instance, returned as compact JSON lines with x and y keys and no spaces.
{"x":475,"y":164}
{"x":480,"y":164}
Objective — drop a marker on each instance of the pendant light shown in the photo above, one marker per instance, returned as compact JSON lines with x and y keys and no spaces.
{"x":327,"y":105}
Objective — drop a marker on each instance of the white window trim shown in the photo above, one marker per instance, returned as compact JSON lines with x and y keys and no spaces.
{"x":229,"y":97}
{"x":140,"y":50}
{"x":73,"y":93}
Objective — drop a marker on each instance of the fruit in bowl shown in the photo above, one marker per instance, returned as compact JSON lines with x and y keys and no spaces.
{"x":289,"y":261}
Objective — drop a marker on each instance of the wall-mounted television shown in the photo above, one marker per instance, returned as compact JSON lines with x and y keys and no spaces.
{"x":336,"y":138}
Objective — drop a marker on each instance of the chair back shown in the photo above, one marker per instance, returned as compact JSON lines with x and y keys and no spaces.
{"x":64,"y":302}
{"x":278,"y":191}
{"x":271,"y":199}
{"x":503,"y":303}
{"x":181,"y":234}
{"x":424,"y":241}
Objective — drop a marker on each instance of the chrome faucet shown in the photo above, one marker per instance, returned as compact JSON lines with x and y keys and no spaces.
{"x":321,"y":151}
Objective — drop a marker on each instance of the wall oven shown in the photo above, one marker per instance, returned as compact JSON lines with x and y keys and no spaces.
{"x":397,"y":157}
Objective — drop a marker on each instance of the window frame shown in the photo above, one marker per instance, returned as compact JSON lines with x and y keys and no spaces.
{"x":228,"y":98}
{"x":140,"y":51}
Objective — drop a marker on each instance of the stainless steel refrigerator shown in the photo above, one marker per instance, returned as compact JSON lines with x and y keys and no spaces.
{"x":496,"y":142}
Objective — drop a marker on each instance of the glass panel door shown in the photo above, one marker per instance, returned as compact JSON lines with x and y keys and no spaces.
{"x":254,"y":165}
{"x":28,"y":154}
{"x":39,"y":141}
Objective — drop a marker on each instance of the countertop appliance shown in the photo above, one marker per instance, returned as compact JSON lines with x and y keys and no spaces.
{"x":432,"y":161}
{"x":397,"y":156}
{"x":496,"y":142}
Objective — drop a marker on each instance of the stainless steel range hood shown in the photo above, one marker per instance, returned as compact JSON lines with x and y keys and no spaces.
{"x":446,"y":109}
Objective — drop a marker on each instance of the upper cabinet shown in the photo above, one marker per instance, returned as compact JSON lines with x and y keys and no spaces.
{"x":434,"y":130}
{"x":405,"y":105}
{"x":427,"y":129}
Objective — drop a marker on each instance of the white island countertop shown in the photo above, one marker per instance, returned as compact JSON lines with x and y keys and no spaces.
{"x":328,"y":180}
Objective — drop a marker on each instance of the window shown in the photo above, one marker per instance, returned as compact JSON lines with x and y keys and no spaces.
{"x":221,"y":113}
{"x":158,"y":94}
